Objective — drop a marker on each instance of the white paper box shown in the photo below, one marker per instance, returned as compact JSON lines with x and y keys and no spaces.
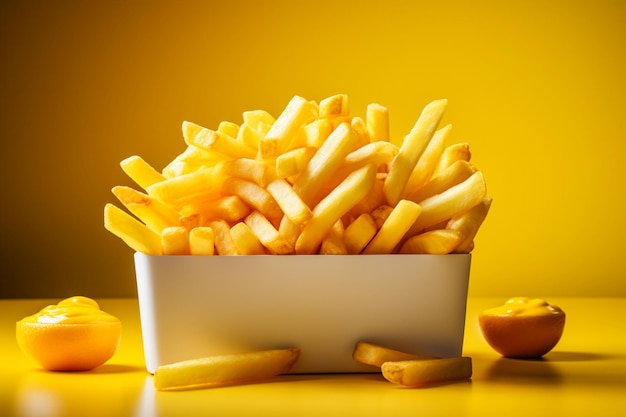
{"x":196,"y":306}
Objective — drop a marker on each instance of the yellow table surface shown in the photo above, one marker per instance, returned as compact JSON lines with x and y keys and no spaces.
{"x":585,"y":375}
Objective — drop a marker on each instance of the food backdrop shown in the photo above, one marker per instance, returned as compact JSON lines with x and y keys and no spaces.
{"x":535,"y":87}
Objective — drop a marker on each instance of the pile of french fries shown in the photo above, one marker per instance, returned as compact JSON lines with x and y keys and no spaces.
{"x":314,"y":180}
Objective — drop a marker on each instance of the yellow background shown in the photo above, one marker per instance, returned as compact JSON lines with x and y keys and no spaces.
{"x":536,"y":87}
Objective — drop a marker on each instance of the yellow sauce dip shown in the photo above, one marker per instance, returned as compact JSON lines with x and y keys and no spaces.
{"x":523,"y":306}
{"x":73,"y":310}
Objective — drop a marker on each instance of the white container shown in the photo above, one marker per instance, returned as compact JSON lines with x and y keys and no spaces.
{"x":196,"y":306}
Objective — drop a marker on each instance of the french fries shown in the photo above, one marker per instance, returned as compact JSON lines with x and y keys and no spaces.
{"x":230,"y":369}
{"x":415,"y":373}
{"x":314,"y":180}
{"x":411,"y":370}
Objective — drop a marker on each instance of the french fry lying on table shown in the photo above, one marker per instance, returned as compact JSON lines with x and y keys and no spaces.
{"x":416,"y":373}
{"x":220,"y":370}
{"x":412,"y":370}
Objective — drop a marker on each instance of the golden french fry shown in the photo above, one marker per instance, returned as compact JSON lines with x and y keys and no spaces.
{"x":201,"y":241}
{"x":411,"y":149}
{"x":468,"y":224}
{"x":257,"y":119}
{"x":325,"y":163}
{"x":298,"y":113}
{"x":434,"y":242}
{"x":255,"y":196}
{"x":140,"y":171}
{"x":376,"y":355}
{"x":216,"y":141}
{"x":415,"y":373}
{"x":289,"y":231}
{"x":377,"y":120}
{"x":249,"y":136}
{"x":453,"y":175}
{"x":224,"y":244}
{"x":454,"y":200}
{"x":316,"y":132}
{"x":359,"y":126}
{"x":267,"y":234}
{"x":134,"y":233}
{"x":333,"y":243}
{"x":228,"y":128}
{"x":230,"y":208}
{"x":334,"y":106}
{"x":400,"y":219}
{"x":376,"y":153}
{"x":237,"y":368}
{"x":293,"y":162}
{"x":359,"y":233}
{"x":152,"y":212}
{"x":289,"y":201}
{"x":245,"y":240}
{"x":175,"y":240}
{"x":427,"y":163}
{"x":253,"y":170}
{"x":192,"y":159}
{"x":453,"y":153}
{"x":185,"y":189}
{"x":334,"y":206}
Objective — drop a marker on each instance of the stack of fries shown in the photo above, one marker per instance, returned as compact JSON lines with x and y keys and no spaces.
{"x":314,"y":180}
